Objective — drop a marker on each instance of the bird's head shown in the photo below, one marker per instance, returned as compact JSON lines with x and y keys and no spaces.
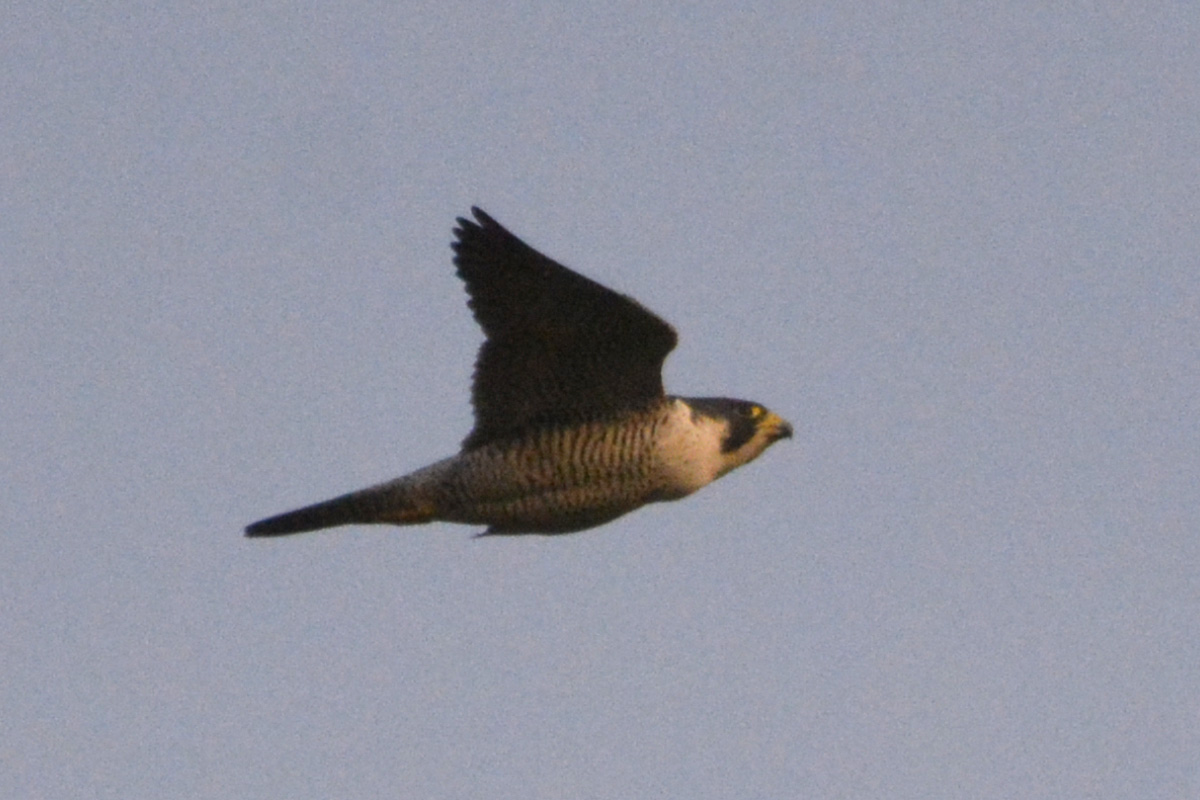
{"x":748,"y":428}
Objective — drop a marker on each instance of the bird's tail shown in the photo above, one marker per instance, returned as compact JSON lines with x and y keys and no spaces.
{"x":393,"y":502}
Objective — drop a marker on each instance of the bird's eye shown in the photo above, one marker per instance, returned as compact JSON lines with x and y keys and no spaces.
{"x":756,"y":412}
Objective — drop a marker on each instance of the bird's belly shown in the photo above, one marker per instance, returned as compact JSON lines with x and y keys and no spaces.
{"x":560,"y":509}
{"x":536,"y":490}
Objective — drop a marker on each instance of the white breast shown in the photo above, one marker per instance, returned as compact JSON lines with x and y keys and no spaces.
{"x":688,"y":451}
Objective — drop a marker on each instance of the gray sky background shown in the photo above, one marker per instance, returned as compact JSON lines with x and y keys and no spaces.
{"x":957,"y":246}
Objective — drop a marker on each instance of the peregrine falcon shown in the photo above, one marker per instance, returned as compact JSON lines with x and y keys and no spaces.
{"x":572,"y":427}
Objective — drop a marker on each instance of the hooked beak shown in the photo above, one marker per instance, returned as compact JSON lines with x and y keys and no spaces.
{"x":777,"y":427}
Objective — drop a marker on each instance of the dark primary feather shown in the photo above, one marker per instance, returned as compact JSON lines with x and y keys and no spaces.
{"x":560,"y":348}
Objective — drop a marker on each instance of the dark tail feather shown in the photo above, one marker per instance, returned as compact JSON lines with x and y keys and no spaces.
{"x":389,"y":502}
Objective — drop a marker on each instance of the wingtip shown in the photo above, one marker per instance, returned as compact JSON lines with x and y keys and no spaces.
{"x":484,"y":219}
{"x":466,"y":226}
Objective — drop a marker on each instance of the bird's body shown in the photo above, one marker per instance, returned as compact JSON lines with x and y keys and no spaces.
{"x":572,"y":426}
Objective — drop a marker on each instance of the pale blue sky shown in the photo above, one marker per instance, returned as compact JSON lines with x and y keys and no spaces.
{"x":959,"y":247}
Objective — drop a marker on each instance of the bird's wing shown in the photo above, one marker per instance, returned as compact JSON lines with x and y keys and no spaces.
{"x":559,"y":348}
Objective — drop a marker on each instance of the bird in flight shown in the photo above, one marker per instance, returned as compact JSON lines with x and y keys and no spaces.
{"x":572,"y":427}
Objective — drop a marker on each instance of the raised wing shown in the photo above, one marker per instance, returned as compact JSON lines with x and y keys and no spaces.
{"x":559,"y":348}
